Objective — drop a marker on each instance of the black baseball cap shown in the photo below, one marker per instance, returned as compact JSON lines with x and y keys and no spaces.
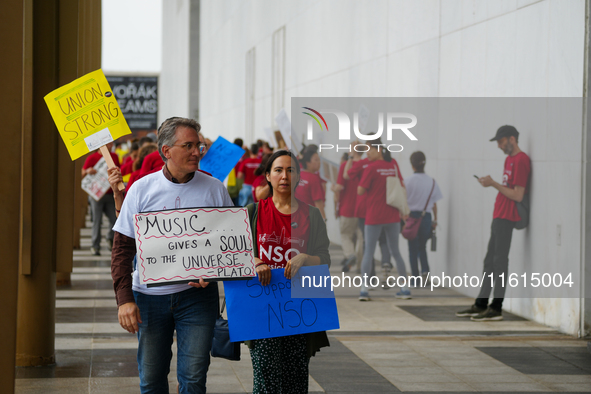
{"x":505,"y":131}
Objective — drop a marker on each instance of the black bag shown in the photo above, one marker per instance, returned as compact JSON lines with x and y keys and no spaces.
{"x":221,"y":346}
{"x":523,"y":211}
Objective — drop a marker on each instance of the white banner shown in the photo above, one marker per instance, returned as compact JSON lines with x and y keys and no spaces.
{"x":188,"y":244}
{"x":96,"y":185}
{"x":271,"y":137}
{"x":292,"y":140}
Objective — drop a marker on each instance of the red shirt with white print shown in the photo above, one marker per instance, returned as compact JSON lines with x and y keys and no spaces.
{"x":248,"y":167}
{"x":517,"y":169}
{"x":281,"y":236}
{"x":374,"y":182}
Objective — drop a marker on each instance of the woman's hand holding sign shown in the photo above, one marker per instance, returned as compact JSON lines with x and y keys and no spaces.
{"x":263,"y":271}
{"x":294,"y":264}
{"x":115,"y":178}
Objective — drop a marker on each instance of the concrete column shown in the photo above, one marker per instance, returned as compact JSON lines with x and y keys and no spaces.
{"x":89,"y":59}
{"x":68,"y":70}
{"x":585,"y":326}
{"x":36,"y":296}
{"x":13,"y":79}
{"x":64,"y":33}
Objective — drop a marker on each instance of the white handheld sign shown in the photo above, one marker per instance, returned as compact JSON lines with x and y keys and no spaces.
{"x":188,"y":244}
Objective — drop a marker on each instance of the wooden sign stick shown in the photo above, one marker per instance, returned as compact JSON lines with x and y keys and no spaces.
{"x":110,"y":163}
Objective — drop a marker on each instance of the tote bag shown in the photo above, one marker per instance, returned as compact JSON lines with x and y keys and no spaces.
{"x":396,"y":195}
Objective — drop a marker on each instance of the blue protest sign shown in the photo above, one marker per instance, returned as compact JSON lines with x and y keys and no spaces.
{"x":221,"y":158}
{"x":256,"y":311}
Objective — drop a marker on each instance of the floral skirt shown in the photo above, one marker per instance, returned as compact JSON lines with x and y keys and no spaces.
{"x":280,"y":365}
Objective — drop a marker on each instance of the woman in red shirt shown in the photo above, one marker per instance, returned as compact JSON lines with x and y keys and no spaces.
{"x":246,"y":173}
{"x":260,"y":187}
{"x":289,"y":235}
{"x":144,"y":152}
{"x":310,"y":190}
{"x":379,"y":215}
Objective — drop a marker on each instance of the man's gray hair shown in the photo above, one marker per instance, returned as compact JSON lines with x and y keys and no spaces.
{"x":167,"y":131}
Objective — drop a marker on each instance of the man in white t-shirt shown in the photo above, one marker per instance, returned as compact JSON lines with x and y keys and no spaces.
{"x":154,"y":313}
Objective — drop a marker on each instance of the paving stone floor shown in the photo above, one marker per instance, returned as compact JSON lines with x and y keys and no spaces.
{"x":383,"y":346}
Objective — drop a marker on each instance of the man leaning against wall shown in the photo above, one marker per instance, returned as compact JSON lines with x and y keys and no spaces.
{"x":512,"y":190}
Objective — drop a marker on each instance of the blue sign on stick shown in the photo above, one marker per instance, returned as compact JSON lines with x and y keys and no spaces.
{"x":221,"y":158}
{"x":256,"y":311}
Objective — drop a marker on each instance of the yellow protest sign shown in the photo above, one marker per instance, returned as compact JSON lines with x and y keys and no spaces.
{"x":232,"y":178}
{"x":86,"y":114}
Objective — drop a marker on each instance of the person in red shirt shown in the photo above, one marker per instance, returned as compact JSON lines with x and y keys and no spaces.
{"x":379,"y":215}
{"x":246,"y":173}
{"x":127,"y":164}
{"x":310,"y":189}
{"x":260,"y":187}
{"x":353,"y":171}
{"x":152,"y":163}
{"x":234,"y":190}
{"x":511,"y":191}
{"x":106,"y":204}
{"x":145,"y":151}
{"x":289,"y":234}
{"x":345,"y":192}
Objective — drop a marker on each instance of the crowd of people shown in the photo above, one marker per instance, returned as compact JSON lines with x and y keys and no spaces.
{"x":283,"y":192}
{"x":366,"y":219}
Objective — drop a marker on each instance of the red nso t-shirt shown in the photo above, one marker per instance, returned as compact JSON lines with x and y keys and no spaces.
{"x":516,"y":173}
{"x":374,"y":182}
{"x":279,"y":236}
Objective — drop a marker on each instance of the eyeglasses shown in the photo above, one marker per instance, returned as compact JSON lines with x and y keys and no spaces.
{"x":191,"y":146}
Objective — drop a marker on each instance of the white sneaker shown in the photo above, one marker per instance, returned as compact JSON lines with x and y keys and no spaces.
{"x":364,"y":297}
